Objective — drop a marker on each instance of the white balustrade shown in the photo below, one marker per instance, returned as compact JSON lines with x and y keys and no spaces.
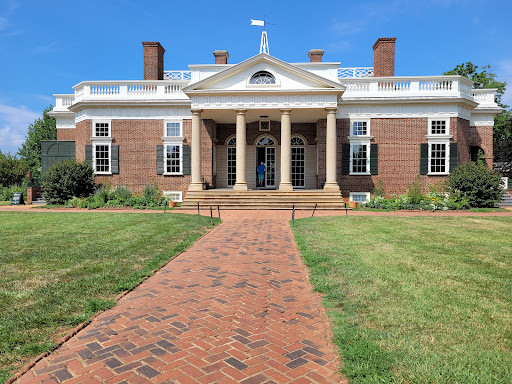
{"x":485,"y":96}
{"x":62,"y":102}
{"x":356,"y":72}
{"x":178,"y":75}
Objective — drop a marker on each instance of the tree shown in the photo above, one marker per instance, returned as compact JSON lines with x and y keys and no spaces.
{"x":67,"y":179}
{"x":12,"y":170}
{"x":487,"y":79}
{"x":41,"y":129}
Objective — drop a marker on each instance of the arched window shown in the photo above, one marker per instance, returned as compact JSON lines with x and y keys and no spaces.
{"x":262,"y":77}
{"x":297,"y":140}
{"x":265,"y":140}
{"x":232,"y":141}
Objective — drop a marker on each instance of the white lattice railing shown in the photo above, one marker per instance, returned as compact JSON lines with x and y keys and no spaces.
{"x":407,"y":86}
{"x":130,"y":90}
{"x":178,"y":75}
{"x":348,"y":73}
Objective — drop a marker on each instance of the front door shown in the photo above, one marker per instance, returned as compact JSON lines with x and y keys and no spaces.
{"x":267,"y":156}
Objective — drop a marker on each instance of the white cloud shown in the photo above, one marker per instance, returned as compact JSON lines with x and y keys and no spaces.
{"x":504,"y":72}
{"x":14,"y":122}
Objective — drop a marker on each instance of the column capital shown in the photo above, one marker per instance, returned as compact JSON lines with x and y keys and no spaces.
{"x":331,"y":110}
{"x":196,"y":112}
{"x":286,"y":111}
{"x":241,"y":111}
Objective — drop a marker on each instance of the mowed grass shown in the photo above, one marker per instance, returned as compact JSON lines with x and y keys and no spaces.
{"x":58,"y":269}
{"x":415,"y":300}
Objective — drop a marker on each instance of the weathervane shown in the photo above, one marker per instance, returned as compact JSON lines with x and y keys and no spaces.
{"x":264,"y":39}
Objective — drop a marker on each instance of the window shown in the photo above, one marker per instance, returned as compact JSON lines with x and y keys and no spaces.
{"x":102,"y":158}
{"x":359,"y":128}
{"x":439,"y":127}
{"x":173,"y":195}
{"x":298,"y":162}
{"x":173,"y":129}
{"x":359,"y":158}
{"x":173,"y":159}
{"x":360,"y":197}
{"x":265,"y":140}
{"x":264,"y":125}
{"x":438,"y":159}
{"x":262,"y":77}
{"x":101,"y":128}
{"x":231,"y":161}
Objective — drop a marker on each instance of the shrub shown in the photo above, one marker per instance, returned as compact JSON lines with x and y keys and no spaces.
{"x":414,"y":191}
{"x":378,"y":190}
{"x":476,"y":184}
{"x":7,"y":192}
{"x":67,"y":179}
{"x":12,"y":170}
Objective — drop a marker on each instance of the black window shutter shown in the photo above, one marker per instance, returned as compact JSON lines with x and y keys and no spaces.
{"x":186,"y":159}
{"x":159,"y":159}
{"x":454,"y":156}
{"x":424,"y":159}
{"x":345,"y":159}
{"x":88,"y":155}
{"x":374,"y":159}
{"x":114,"y":153}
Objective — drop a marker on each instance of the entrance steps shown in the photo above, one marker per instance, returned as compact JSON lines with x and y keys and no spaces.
{"x":263,"y":199}
{"x":506,"y":200}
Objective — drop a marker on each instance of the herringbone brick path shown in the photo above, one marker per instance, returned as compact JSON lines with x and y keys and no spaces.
{"x":235,"y":308}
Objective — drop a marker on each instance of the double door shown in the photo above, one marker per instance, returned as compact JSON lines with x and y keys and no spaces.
{"x":267,"y":156}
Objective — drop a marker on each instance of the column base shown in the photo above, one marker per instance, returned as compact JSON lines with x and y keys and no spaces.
{"x":240,"y":187}
{"x":195,"y":187}
{"x":331,"y":187}
{"x":285,"y":187}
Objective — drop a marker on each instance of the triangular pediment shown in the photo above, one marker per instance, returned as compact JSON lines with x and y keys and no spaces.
{"x":287,"y":78}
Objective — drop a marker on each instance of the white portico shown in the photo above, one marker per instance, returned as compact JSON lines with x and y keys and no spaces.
{"x":265,"y":87}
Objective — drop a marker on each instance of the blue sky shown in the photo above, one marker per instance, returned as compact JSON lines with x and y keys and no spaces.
{"x":48,"y":46}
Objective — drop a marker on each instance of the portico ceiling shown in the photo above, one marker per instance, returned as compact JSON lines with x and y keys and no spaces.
{"x":228,"y":116}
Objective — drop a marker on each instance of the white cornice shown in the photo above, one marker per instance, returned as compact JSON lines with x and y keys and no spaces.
{"x":128,"y":103}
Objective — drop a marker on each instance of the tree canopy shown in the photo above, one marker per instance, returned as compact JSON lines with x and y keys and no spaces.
{"x":12,"y":170}
{"x":41,"y":129}
{"x":502,"y":121}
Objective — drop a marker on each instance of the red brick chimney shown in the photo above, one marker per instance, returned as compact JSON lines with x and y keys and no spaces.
{"x":384,"y":57}
{"x":315,"y":55}
{"x":221,"y":57}
{"x":153,"y":60}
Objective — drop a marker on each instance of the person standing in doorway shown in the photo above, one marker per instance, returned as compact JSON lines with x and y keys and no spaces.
{"x":261,"y":174}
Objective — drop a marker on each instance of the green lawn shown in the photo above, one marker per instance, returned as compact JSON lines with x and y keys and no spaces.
{"x":415,"y":300}
{"x":58,"y":269}
{"x":5,"y":203}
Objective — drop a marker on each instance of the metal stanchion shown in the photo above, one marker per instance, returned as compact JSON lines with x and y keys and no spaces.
{"x":218,"y":211}
{"x":314,"y":209}
{"x":211,"y":215}
{"x":293,"y":215}
{"x":198,"y":208}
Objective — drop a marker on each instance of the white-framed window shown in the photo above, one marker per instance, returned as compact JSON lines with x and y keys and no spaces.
{"x":173,"y":128}
{"x":439,"y":157}
{"x":359,"y":158}
{"x":173,"y":159}
{"x":101,"y":152}
{"x":360,"y":127}
{"x":360,"y":197}
{"x":101,"y":128}
{"x":173,"y":195}
{"x":438,"y":127}
{"x":262,"y":78}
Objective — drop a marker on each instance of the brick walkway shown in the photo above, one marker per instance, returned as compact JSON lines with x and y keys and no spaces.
{"x":235,"y":308}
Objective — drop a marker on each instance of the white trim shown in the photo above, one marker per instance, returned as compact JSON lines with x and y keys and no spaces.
{"x":447,"y":124}
{"x":133,"y":113}
{"x":367,"y":194}
{"x":277,"y":83}
{"x":101,"y":121}
{"x":447,"y":157}
{"x":179,"y":193}
{"x":393,"y":110}
{"x":166,"y":173}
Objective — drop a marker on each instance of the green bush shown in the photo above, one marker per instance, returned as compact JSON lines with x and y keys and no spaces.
{"x":414,"y":191}
{"x":12,"y":170}
{"x":475,"y":183}
{"x":66,"y":180}
{"x":6,"y":192}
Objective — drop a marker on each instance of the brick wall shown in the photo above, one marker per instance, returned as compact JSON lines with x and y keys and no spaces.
{"x":399,"y":153}
{"x":483,"y":138}
{"x":137,"y":140}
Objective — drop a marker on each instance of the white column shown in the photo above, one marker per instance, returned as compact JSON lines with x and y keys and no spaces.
{"x":241,"y":144}
{"x":330,"y":151}
{"x":286,"y":151}
{"x":197,"y":183}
